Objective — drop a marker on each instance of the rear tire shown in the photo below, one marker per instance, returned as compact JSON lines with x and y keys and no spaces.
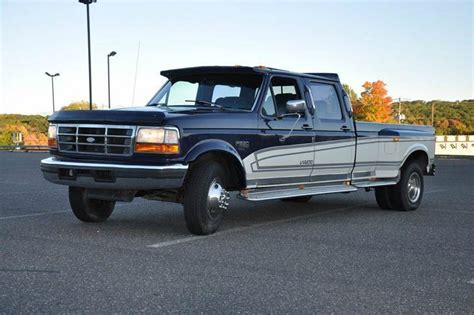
{"x":297,"y":199}
{"x":205,"y":198}
{"x":382,"y":195}
{"x":407,"y":194}
{"x":89,"y":210}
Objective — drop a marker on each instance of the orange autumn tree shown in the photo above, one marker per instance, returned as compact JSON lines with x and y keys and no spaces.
{"x":374,"y":103}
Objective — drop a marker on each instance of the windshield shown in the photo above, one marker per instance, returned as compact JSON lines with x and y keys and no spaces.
{"x":236,"y":91}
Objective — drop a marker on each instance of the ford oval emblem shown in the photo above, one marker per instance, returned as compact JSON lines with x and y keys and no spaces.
{"x":90,"y":139}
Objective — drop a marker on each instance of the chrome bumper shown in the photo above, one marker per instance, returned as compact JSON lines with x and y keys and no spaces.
{"x":113,"y":176}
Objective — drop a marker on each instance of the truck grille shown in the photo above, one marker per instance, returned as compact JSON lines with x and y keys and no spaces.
{"x":96,"y":139}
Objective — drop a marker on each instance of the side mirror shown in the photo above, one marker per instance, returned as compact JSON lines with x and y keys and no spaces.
{"x":296,"y":106}
{"x":348,"y":103}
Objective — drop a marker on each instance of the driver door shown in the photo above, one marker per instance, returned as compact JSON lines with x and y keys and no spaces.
{"x":285,"y":154}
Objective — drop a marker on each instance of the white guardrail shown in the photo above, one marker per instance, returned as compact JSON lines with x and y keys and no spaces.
{"x":455,"y":145}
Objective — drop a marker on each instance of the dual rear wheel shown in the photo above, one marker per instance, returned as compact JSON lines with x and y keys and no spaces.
{"x":406,"y":195}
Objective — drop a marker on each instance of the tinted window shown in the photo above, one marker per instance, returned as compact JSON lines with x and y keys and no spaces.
{"x":181,"y":92}
{"x":326,"y":101}
{"x":268,"y":108}
{"x":284,"y":90}
{"x":221,"y":91}
{"x":236,"y":91}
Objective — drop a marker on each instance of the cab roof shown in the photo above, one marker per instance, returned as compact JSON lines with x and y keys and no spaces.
{"x":246,"y":70}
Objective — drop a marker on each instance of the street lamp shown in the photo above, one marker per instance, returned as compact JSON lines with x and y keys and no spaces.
{"x":111,"y":54}
{"x":87,"y":2}
{"x":52,"y":84}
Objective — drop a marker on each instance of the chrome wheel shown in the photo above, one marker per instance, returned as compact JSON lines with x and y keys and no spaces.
{"x":414,"y":187}
{"x":217,"y":199}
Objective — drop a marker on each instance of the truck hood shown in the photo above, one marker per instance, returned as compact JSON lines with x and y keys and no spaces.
{"x":146,"y":115}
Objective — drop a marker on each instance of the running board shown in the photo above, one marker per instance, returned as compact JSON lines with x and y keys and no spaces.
{"x":368,"y":184}
{"x":260,"y":194}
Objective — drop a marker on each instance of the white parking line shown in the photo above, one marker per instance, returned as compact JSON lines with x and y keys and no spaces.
{"x":31,"y":192}
{"x":31,"y":215}
{"x":471,"y":281}
{"x":452,"y":211}
{"x":55,"y":212}
{"x":244,"y":228}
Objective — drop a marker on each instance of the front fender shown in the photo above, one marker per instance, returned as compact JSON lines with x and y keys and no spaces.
{"x":205,"y":146}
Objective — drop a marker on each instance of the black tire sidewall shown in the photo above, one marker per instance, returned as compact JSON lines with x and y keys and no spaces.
{"x":89,"y":210}
{"x":300,"y":199}
{"x":382,"y":196}
{"x":197,"y":217}
{"x":405,"y":202}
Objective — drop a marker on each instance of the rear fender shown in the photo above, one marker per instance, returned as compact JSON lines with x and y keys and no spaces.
{"x":417,"y":147}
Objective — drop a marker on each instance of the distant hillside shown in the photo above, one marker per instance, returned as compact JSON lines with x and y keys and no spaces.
{"x":34,"y":129}
{"x":450,"y":118}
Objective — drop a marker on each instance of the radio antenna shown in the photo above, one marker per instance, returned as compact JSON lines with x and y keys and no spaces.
{"x":136,"y":74}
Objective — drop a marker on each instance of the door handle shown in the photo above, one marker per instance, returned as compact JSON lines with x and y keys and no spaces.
{"x":345,"y":128}
{"x":307,"y":127}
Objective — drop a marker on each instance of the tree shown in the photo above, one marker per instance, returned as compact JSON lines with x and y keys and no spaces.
{"x":374,"y":103}
{"x":351,"y":93}
{"x":81,"y":105}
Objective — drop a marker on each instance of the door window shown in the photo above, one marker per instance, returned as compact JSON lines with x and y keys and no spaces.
{"x":268,"y":108}
{"x":326,"y":101}
{"x":284,"y":90}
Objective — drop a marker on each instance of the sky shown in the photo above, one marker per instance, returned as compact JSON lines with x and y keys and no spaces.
{"x":422,"y":50}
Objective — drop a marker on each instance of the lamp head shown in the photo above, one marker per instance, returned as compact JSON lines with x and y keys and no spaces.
{"x":87,"y":1}
{"x":112,"y":53}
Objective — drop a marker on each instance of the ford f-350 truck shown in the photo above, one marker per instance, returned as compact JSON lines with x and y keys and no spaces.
{"x":262,"y":132}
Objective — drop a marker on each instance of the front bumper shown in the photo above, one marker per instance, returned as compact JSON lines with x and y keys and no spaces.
{"x":113,"y":176}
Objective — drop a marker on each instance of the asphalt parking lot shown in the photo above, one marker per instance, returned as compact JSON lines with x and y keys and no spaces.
{"x":338,"y":253}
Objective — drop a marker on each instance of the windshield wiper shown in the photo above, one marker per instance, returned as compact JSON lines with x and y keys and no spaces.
{"x":208,"y":104}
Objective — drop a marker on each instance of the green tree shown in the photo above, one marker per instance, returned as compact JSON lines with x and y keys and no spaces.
{"x":351,"y":93}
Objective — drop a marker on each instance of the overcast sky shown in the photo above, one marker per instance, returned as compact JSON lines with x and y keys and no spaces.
{"x":422,"y":50}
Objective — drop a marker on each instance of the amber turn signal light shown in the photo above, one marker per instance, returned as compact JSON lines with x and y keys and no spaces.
{"x":52,"y":143}
{"x":157,"y":148}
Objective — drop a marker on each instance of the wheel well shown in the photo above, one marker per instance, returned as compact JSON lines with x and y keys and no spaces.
{"x":419,"y":157}
{"x":232,"y":166}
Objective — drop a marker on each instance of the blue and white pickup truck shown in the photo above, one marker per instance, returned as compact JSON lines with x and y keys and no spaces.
{"x":262,"y":132}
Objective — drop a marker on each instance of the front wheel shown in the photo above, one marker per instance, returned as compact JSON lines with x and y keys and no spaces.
{"x":205,"y":198}
{"x":89,"y":210}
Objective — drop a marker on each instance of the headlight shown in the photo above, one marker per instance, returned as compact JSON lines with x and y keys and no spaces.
{"x":157,"y":140}
{"x":52,"y":133}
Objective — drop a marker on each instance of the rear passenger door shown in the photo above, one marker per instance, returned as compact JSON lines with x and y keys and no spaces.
{"x":285,"y":154}
{"x":334,"y":133}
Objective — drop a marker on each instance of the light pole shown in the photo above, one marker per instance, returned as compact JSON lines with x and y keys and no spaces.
{"x":52,"y":84}
{"x":111,"y":54}
{"x":432,"y":113}
{"x":87,"y":2}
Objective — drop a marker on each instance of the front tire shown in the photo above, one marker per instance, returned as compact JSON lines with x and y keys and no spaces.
{"x":89,"y":210}
{"x":205,"y":198}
